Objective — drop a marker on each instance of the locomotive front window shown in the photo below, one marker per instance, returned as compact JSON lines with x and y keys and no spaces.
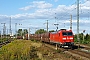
{"x":67,"y":34}
{"x":64,"y":34}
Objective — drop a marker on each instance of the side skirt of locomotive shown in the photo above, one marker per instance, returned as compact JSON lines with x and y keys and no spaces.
{"x":64,"y":45}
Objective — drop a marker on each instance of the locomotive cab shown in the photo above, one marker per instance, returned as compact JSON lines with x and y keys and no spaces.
{"x":67,"y":38}
{"x":63,"y":37}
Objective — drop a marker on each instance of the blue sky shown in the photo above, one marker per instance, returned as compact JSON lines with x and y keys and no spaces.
{"x":34,"y":13}
{"x":10,"y":7}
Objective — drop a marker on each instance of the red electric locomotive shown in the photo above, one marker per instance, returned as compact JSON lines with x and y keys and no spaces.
{"x":62,"y":37}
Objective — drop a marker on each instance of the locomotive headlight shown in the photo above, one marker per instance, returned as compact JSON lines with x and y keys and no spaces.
{"x":71,"y":38}
{"x":64,"y":38}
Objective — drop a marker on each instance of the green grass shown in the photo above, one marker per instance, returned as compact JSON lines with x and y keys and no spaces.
{"x":19,"y":50}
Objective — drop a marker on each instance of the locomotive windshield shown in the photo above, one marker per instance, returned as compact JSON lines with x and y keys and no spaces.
{"x":67,"y":33}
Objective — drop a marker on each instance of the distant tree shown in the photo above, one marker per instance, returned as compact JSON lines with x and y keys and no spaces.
{"x":19,"y":32}
{"x":25,"y":31}
{"x":51,"y":31}
{"x":86,"y":41}
{"x":40,"y":31}
{"x":81,"y":36}
{"x":75,"y":36}
{"x":22,"y":32}
{"x":87,"y":37}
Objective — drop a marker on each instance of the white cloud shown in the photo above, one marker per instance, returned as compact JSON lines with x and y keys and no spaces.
{"x":37,"y":4}
{"x":45,"y":11}
{"x":27,"y":8}
{"x":85,"y":5}
{"x":42,"y":4}
{"x":75,"y":21}
{"x":55,"y":0}
{"x":4,"y":18}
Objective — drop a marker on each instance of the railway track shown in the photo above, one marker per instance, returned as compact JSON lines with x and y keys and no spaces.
{"x":4,"y":43}
{"x":84,"y":48}
{"x":78,"y":54}
{"x":82,"y":45}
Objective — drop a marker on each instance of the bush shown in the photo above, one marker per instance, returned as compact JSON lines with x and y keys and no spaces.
{"x":85,"y":42}
{"x":18,"y":50}
{"x":86,"y":39}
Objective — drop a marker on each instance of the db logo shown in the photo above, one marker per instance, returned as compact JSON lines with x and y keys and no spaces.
{"x":68,"y":38}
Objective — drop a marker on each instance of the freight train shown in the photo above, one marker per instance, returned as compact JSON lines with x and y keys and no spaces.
{"x":61,"y":37}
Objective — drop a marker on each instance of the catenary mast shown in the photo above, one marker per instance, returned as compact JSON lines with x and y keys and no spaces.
{"x":78,"y":20}
{"x":10,"y":31}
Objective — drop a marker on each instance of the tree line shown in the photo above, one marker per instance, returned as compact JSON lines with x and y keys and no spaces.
{"x":84,"y":40}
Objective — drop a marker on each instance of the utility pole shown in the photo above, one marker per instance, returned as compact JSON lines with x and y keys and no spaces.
{"x":7,"y":33}
{"x":83,"y":34}
{"x":4,"y":29}
{"x":47,"y":25}
{"x":10,"y":31}
{"x":56,"y":31}
{"x":0,"y":35}
{"x":64,"y":25}
{"x":16,"y":29}
{"x":71,"y":22}
{"x":56,"y":23}
{"x":78,"y":21}
{"x":28,"y":33}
